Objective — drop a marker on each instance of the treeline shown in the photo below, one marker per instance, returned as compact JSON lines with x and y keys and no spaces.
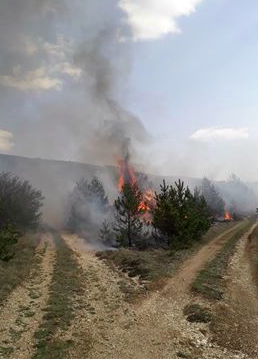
{"x":177,"y":217}
{"x":20,"y":206}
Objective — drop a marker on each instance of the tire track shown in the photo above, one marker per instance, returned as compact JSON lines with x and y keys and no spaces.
{"x":237,"y":315}
{"x":22,"y":313}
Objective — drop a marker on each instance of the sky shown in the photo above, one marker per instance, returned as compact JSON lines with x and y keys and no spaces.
{"x":175,"y":81}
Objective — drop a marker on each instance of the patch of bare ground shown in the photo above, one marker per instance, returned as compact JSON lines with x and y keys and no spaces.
{"x":157,"y":327}
{"x":22,"y":312}
{"x":236,"y":323}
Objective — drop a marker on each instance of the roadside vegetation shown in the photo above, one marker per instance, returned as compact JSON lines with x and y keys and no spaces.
{"x":20,"y":207}
{"x":17,"y":270}
{"x":154,"y":266}
{"x":209,"y":282}
{"x":20,"y":213}
{"x":252,"y":252}
{"x":59,"y":313}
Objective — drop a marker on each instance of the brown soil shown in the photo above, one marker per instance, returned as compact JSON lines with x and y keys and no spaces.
{"x":236,"y":326}
{"x":22,"y":312}
{"x":154,"y":329}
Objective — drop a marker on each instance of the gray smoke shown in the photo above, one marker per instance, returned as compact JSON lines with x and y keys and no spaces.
{"x":77,"y":50}
{"x":63,"y":72}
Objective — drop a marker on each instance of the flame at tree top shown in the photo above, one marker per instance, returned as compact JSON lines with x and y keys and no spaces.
{"x":227,"y":216}
{"x":127,"y":175}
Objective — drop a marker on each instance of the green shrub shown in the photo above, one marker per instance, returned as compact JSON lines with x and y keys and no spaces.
{"x":8,"y":237}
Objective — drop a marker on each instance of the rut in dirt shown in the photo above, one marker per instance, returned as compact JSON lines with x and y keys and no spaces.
{"x":239,"y":309}
{"x":23,"y":310}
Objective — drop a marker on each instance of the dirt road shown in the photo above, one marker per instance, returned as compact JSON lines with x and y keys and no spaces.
{"x":157,"y":328}
{"x":22,"y":313}
{"x":237,"y":324}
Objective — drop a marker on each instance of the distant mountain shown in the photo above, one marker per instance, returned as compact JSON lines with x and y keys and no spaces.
{"x":56,"y":179}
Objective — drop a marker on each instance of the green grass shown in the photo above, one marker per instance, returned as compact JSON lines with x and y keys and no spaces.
{"x":17,"y":270}
{"x":209,"y":282}
{"x":59,"y":311}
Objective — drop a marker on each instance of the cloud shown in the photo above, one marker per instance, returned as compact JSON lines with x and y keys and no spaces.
{"x":6,"y":141}
{"x":215,"y":133}
{"x":152,"y":19}
{"x":55,"y":62}
{"x":31,"y":80}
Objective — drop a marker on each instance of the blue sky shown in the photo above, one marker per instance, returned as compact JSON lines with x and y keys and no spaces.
{"x":187,"y":69}
{"x":205,"y":76}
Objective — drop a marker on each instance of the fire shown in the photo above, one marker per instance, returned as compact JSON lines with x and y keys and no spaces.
{"x":227,"y":216}
{"x":127,"y":175}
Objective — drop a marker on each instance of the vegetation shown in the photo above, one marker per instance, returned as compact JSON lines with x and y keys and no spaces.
{"x":88,"y":205}
{"x":128,"y":224}
{"x":20,"y":207}
{"x":209,"y":282}
{"x":180,"y":217}
{"x":105,"y":233}
{"x":20,"y":203}
{"x":14,"y":272}
{"x":60,"y":310}
{"x":213,"y":198}
{"x":8,"y":237}
{"x":152,"y":267}
{"x":197,"y":314}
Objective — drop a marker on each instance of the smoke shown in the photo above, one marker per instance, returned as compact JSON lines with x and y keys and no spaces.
{"x":68,"y":79}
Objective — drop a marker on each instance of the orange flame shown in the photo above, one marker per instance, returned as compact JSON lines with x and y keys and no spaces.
{"x":227,"y":216}
{"x":127,"y":175}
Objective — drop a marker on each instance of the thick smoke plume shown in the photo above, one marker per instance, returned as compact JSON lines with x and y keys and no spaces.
{"x":71,"y":62}
{"x":66,"y":67}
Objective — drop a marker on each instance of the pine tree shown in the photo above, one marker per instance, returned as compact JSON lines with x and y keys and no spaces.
{"x":128,"y":224}
{"x":105,"y":233}
{"x":179,"y":216}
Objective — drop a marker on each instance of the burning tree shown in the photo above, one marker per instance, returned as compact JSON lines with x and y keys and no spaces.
{"x":128,"y":224}
{"x":179,"y":217}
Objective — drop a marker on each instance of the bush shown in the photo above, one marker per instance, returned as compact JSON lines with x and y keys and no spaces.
{"x":20,"y":207}
{"x":8,"y":237}
{"x":20,"y":203}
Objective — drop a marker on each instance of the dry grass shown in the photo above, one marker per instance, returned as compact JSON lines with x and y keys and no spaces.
{"x":17,"y":270}
{"x":66,"y":283}
{"x":154,"y":266}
